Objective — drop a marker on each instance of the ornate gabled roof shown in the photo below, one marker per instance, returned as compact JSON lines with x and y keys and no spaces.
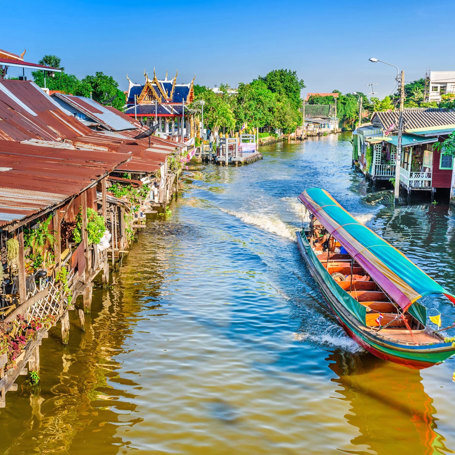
{"x":163,"y":90}
{"x":415,"y":118}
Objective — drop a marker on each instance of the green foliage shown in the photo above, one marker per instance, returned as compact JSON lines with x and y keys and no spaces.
{"x":52,"y":61}
{"x":255,"y":105}
{"x":33,"y":378}
{"x":37,"y":238}
{"x":105,"y":90}
{"x":448,"y":146}
{"x":95,"y":227}
{"x":199,"y":89}
{"x":135,"y":195}
{"x":382,"y":105}
{"x":101,"y":87}
{"x":285,"y":83}
{"x":218,"y":112}
{"x":62,"y":277}
{"x":271,"y":102}
{"x":12,"y":248}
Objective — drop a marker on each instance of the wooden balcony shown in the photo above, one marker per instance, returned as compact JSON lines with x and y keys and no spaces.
{"x":415,"y":180}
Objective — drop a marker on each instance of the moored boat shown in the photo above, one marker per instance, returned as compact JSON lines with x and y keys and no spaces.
{"x":373,"y":290}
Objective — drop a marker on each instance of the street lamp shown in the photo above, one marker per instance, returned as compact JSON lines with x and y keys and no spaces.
{"x":360,"y":107}
{"x":399,"y":79}
{"x":201,"y":102}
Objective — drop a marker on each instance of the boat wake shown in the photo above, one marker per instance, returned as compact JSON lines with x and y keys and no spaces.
{"x":268,"y":223}
{"x":364,"y":218}
{"x":334,"y":337}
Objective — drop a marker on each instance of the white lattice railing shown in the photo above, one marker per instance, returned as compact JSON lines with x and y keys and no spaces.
{"x":384,"y":170}
{"x":415,"y":180}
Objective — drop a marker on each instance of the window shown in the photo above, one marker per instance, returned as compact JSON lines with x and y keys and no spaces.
{"x":435,"y":88}
{"x":446,"y":162}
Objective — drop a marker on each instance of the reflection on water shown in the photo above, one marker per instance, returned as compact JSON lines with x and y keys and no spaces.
{"x":212,"y":339}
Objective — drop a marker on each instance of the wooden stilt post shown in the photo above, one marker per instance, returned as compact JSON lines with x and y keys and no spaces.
{"x":34,"y":361}
{"x":87,"y":298}
{"x":57,"y":239}
{"x":65,"y":323}
{"x":105,"y":268}
{"x":3,"y":360}
{"x":103,"y":198}
{"x":113,"y":238}
{"x":21,"y":263}
{"x":82,"y":319}
{"x":85,"y":235}
{"x":122,"y":229}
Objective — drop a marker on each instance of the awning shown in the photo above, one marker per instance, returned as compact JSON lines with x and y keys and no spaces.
{"x":410,"y":140}
{"x":439,"y":132}
{"x":400,"y":278}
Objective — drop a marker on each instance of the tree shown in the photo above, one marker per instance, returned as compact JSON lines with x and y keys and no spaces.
{"x":105,"y":90}
{"x":285,"y":82}
{"x":217,"y":111}
{"x":380,"y":106}
{"x":255,"y":104}
{"x":51,"y":60}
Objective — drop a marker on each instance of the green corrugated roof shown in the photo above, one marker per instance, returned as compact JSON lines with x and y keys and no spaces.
{"x":435,"y":132}
{"x":409,"y":140}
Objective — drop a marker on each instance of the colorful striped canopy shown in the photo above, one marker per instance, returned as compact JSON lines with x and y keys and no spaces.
{"x":400,"y":278}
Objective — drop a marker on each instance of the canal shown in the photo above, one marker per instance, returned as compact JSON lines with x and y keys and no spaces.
{"x":211,"y":338}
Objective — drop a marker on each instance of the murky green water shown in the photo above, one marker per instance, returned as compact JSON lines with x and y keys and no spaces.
{"x":211,"y":339}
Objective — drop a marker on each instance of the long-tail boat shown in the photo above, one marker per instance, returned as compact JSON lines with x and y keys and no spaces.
{"x":373,"y":289}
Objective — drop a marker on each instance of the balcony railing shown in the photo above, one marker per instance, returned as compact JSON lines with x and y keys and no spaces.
{"x":384,"y":170}
{"x":415,"y":180}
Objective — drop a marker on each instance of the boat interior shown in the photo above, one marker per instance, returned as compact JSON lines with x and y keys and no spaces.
{"x":383,"y":316}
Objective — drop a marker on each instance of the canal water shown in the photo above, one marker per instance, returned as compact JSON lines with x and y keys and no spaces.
{"x":212,"y":340}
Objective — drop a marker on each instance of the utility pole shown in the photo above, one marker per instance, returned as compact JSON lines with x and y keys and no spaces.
{"x":400,"y":139}
{"x":360,"y":110}
{"x":303,"y":118}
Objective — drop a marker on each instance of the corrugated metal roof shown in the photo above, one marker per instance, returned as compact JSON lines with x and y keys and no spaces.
{"x":26,"y":112}
{"x":37,"y":178}
{"x":94,"y":111}
{"x":415,"y":118}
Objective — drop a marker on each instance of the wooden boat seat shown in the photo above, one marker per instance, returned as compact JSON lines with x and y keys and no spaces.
{"x":381,"y":307}
{"x":368,"y":296}
{"x":357,"y":285}
{"x":344,"y":269}
{"x":387,"y":318}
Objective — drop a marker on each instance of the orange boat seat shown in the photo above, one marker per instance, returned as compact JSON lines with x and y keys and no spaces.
{"x":368,"y":296}
{"x":382,"y":307}
{"x":372,"y":320}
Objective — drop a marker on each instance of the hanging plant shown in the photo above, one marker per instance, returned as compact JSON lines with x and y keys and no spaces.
{"x":12,"y":247}
{"x":96,"y":227}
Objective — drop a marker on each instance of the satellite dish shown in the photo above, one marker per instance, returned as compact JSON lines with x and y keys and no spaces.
{"x":147,"y":133}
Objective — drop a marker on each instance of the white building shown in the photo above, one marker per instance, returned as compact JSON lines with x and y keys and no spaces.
{"x":440,"y":83}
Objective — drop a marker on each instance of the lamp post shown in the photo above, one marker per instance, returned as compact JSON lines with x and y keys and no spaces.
{"x":400,"y":79}
{"x":360,"y":107}
{"x":201,"y":102}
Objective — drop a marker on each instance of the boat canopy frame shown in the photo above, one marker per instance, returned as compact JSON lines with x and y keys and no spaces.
{"x":403,"y":281}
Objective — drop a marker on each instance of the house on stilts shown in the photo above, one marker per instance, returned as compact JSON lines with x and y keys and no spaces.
{"x":423,"y":167}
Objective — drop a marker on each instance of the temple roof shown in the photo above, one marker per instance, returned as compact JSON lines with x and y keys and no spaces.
{"x":165,"y":90}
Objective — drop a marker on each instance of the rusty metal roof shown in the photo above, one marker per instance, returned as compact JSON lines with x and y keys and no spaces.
{"x":26,"y":112}
{"x":34,"y":179}
{"x":91,"y":110}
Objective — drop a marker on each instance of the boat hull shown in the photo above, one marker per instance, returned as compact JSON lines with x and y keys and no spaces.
{"x":413,"y":356}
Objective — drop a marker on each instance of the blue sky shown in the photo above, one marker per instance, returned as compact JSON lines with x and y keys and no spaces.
{"x":328,"y":43}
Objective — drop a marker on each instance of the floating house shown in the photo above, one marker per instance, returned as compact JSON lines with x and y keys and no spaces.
{"x":423,"y":166}
{"x":163,"y":101}
{"x":321,"y":118}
